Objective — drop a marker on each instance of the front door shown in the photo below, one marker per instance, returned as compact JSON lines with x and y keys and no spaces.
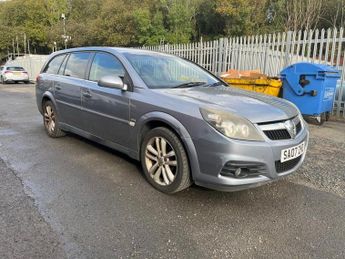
{"x":106,"y":110}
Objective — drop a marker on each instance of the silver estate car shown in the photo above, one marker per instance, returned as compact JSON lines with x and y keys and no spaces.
{"x":183,"y":123}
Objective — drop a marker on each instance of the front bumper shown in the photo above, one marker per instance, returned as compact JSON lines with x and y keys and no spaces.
{"x":215,"y":151}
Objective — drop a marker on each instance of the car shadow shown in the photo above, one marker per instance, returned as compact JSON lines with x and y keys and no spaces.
{"x":195,"y":191}
{"x":280,"y":218}
{"x":281,"y":191}
{"x":107,"y":150}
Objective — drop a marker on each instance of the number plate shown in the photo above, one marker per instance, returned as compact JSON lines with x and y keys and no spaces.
{"x":292,"y":152}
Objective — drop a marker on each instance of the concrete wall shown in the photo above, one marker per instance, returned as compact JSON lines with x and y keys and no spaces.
{"x":32,"y":64}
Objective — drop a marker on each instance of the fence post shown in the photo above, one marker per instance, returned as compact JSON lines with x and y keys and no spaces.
{"x":219,"y":57}
{"x":266,"y":44}
{"x":288,"y":48}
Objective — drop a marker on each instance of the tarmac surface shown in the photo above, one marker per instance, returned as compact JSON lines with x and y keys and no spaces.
{"x":72,"y":198}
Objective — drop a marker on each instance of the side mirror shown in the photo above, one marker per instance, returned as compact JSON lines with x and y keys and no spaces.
{"x":112,"y":82}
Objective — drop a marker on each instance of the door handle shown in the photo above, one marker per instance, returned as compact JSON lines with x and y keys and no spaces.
{"x":87,"y":94}
{"x":57,"y":87}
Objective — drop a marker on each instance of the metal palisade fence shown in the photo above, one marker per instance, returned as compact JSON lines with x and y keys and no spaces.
{"x":269,"y":53}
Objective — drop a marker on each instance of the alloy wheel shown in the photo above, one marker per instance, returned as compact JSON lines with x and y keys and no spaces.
{"x":161,"y":160}
{"x":49,"y":119}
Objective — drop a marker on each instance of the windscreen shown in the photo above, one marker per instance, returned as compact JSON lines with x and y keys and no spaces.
{"x":166,"y":71}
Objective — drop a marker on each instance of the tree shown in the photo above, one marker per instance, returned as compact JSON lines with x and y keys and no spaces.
{"x":150,"y":22}
{"x":209,"y":24}
{"x":32,"y":17}
{"x":303,"y":14}
{"x":333,"y":14}
{"x":114,"y":24}
{"x":245,"y":17}
{"x":179,"y":20}
{"x":150,"y":26}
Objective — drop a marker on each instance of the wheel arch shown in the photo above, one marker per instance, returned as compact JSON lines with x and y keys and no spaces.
{"x":160,"y":119}
{"x":47,"y":96}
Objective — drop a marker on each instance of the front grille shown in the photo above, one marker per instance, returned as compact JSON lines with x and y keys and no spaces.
{"x":277,"y":131}
{"x":288,"y":165}
{"x":277,"y":134}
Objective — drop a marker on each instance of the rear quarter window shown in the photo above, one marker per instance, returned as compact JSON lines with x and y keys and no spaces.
{"x":54,"y":65}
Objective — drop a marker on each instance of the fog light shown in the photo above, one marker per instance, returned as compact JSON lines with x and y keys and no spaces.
{"x":238,"y":172}
{"x":240,"y":169}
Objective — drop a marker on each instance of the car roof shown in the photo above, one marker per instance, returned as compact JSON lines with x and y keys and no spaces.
{"x":119,"y":50}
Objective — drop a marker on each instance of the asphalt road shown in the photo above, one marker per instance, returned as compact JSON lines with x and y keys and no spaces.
{"x":72,"y":198}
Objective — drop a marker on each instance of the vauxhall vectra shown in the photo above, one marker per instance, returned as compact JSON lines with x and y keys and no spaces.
{"x":183,"y":123}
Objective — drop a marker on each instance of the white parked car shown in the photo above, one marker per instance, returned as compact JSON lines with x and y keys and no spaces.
{"x":13,"y":74}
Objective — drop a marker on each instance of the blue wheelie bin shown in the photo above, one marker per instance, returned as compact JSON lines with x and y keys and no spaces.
{"x":311,"y":87}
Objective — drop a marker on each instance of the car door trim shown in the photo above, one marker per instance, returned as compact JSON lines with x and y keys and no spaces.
{"x":94,"y":112}
{"x":68,"y":104}
{"x":106,"y":115}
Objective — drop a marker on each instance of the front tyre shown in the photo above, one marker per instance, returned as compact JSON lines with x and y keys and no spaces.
{"x":164,"y":161}
{"x":50,"y":120}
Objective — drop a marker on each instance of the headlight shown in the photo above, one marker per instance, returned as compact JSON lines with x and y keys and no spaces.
{"x":303,"y":123}
{"x":231,"y":125}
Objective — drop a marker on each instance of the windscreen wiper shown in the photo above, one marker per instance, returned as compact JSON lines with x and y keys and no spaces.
{"x":189,"y":84}
{"x":215,"y":84}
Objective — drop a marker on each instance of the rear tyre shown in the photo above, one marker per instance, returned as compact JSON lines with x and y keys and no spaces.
{"x":26,"y":82}
{"x":164,"y":161}
{"x":51,"y":120}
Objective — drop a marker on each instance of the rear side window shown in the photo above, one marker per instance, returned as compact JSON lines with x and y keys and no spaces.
{"x":54,"y":65}
{"x":105,"y":65}
{"x":77,"y":64}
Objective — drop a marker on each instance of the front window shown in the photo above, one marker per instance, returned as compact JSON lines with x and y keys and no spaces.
{"x":104,"y":65}
{"x":166,"y":71}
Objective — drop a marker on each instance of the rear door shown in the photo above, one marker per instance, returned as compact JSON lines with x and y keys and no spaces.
{"x":106,"y":110}
{"x":68,"y":88}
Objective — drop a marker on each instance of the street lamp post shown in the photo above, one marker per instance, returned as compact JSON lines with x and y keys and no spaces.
{"x":64,"y":36}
